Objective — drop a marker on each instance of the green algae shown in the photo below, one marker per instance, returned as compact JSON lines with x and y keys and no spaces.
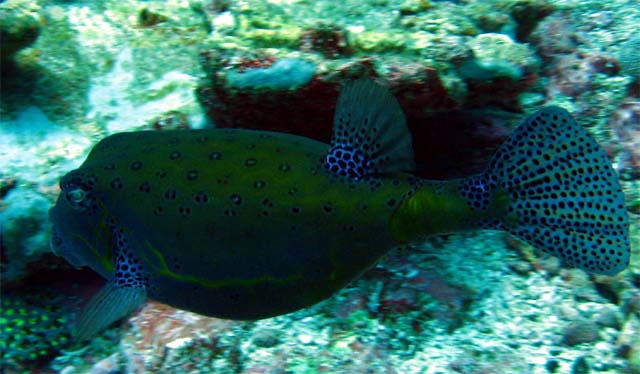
{"x":282,"y":37}
{"x":380,"y":42}
{"x":30,"y":332}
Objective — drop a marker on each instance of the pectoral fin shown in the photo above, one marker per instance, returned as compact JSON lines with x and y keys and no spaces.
{"x":110,"y":304}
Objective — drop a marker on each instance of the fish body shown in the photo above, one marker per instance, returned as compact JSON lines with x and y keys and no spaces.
{"x":246,"y":224}
{"x":249,"y":217}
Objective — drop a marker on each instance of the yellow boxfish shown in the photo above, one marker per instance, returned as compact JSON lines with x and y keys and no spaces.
{"x":244,"y":224}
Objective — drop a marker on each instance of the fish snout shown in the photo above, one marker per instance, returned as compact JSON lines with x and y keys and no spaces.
{"x":61,"y":247}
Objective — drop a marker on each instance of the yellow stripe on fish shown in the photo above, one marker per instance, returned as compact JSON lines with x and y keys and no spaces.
{"x":246,"y":224}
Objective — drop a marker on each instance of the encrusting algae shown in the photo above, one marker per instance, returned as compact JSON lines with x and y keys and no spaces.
{"x":244,"y":224}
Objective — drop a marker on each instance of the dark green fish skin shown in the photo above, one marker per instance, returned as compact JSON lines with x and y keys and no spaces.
{"x":238,"y":223}
{"x":245,"y":224}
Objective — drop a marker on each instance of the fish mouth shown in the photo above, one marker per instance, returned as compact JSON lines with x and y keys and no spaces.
{"x":55,"y":241}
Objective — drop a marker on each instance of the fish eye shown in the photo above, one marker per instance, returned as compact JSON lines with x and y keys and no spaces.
{"x":76,"y":195}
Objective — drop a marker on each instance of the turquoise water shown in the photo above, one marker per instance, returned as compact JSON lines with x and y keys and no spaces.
{"x":465,"y":73}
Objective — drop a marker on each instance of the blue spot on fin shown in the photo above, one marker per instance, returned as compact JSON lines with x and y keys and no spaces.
{"x":370,"y":134}
{"x":566,"y":199}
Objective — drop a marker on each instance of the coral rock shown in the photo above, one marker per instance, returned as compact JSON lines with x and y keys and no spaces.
{"x":20,"y":25}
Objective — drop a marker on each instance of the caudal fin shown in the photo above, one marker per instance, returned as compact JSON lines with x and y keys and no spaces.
{"x":565,"y":197}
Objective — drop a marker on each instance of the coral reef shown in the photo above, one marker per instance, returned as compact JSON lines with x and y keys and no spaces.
{"x":330,"y":40}
{"x":116,"y":110}
{"x":527,"y":14}
{"x":29,"y":146}
{"x":24,"y":231}
{"x":20,"y":26}
{"x":629,"y":57}
{"x":496,"y":56}
{"x":625,"y":124}
{"x":284,"y":74}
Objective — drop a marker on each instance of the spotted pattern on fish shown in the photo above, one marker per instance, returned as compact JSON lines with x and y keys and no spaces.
{"x":246,"y":224}
{"x":549,"y":184}
{"x":226,"y":186}
{"x":368,"y":138}
{"x":128,"y":270}
{"x":567,"y":199}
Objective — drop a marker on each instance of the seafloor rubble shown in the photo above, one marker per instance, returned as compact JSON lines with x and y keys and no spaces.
{"x":464,"y":71}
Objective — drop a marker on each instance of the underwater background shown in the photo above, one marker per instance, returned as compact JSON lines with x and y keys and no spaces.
{"x":465,"y":72}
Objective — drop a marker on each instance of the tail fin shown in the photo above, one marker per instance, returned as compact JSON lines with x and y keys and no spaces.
{"x":565,"y":197}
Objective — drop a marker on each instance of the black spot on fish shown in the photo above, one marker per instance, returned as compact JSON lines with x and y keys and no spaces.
{"x":215,"y":156}
{"x":116,"y":184}
{"x":259,"y":184}
{"x":328,"y":208}
{"x":391,"y":202}
{"x":176,"y":264}
{"x":158,"y":211}
{"x":267,"y":203}
{"x":364,"y":207}
{"x":295,"y":210}
{"x":91,"y":180}
{"x":294,"y":227}
{"x":192,"y":175}
{"x":185,"y":211}
{"x":350,"y":228}
{"x":374,"y":184}
{"x":175,"y":155}
{"x":229,"y":212}
{"x":145,"y":187}
{"x":136,"y":165}
{"x":236,"y":199}
{"x":250,"y":162}
{"x":170,"y":194}
{"x":201,"y":197}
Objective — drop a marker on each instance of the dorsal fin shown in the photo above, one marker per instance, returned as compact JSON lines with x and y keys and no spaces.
{"x":370,"y":134}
